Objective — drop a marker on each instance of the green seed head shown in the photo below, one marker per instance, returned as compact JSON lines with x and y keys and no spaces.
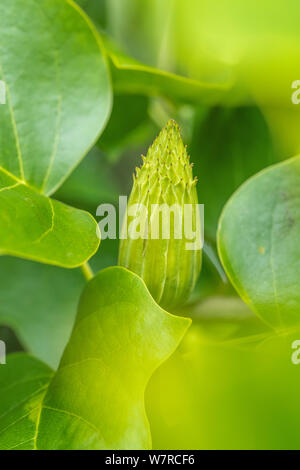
{"x":161,"y":231}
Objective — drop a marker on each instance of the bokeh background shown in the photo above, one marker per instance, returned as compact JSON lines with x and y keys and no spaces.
{"x":231,"y":384}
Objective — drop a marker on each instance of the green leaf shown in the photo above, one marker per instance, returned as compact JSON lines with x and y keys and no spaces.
{"x":96,"y":398}
{"x":228,"y":146}
{"x":258,"y":240}
{"x":132,"y":76}
{"x":23,"y":383}
{"x":42,"y":229}
{"x":58,"y":101}
{"x":231,"y":384}
{"x":58,"y":89}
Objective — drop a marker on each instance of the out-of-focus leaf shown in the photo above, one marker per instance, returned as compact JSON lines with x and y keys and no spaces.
{"x":96,"y":10}
{"x":92,"y":183}
{"x":256,"y":43}
{"x":224,"y":318}
{"x":258,"y":240}
{"x":285,"y":123}
{"x":96,"y":398}
{"x":58,"y":99}
{"x":131,"y":76}
{"x":12,"y":343}
{"x":39,"y":303}
{"x":129,"y":125}
{"x":228,"y":146}
{"x":230,"y":385}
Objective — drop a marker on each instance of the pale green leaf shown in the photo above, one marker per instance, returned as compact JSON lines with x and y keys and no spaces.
{"x":96,"y":398}
{"x":258,"y":240}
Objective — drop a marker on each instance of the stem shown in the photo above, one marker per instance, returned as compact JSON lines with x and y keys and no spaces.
{"x":87,"y":271}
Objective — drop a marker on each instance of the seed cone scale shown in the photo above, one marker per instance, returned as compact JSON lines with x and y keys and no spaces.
{"x":154,"y":242}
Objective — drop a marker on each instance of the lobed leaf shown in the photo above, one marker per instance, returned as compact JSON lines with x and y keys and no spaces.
{"x":96,"y":398}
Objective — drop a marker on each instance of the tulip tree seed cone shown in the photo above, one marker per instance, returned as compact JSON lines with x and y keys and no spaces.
{"x":162,"y":227}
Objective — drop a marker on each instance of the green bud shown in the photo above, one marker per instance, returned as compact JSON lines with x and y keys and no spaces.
{"x":161,"y":236}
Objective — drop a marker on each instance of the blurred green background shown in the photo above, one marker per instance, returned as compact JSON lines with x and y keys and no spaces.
{"x":231,"y":384}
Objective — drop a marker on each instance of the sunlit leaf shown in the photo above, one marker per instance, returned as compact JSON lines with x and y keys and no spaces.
{"x":96,"y":398}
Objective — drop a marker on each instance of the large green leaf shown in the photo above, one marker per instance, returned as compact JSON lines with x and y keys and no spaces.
{"x":96,"y":398}
{"x":258,"y":240}
{"x":58,"y":89}
{"x":227,"y":386}
{"x":58,"y":101}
